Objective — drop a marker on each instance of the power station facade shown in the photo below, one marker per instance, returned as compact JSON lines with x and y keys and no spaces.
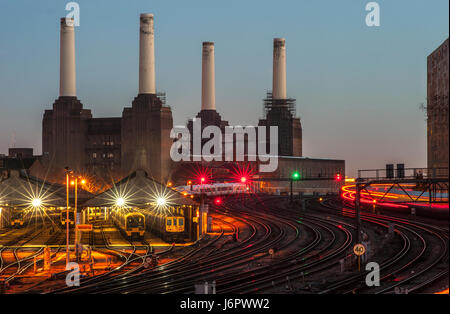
{"x":279,"y":109}
{"x":140,"y":139}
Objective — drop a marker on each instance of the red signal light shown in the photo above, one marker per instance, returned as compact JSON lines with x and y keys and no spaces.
{"x":218,"y":201}
{"x":202,"y":179}
{"x":243,"y":179}
{"x":338,"y":177}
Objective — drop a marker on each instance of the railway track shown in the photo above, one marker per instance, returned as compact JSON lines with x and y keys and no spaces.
{"x":296,"y":264}
{"x":104,"y":281}
{"x":424,"y":252}
{"x":21,"y":265}
{"x":180,"y":264}
{"x":265,"y":235}
{"x":309,"y":244}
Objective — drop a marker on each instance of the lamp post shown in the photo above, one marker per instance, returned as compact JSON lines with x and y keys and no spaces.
{"x":358,"y":212}
{"x":75,"y":218}
{"x":68,"y":171}
{"x":83,"y":182}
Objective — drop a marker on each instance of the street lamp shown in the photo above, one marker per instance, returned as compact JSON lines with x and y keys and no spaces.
{"x":68,"y":171}
{"x":83,"y":182}
{"x":36,"y":202}
{"x":161,"y":201}
{"x":120,"y":202}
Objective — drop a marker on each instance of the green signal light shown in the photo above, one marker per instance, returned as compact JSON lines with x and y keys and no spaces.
{"x":296,"y":175}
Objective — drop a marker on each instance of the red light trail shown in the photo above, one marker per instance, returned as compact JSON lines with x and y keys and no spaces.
{"x":374,"y":196}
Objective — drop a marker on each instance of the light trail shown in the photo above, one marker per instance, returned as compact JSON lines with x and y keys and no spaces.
{"x":373,"y":195}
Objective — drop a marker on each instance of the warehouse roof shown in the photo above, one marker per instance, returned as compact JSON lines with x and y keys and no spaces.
{"x":138,"y":189}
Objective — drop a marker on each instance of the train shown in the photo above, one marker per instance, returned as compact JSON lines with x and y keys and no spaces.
{"x":17,"y":219}
{"x":214,"y":189}
{"x":130,"y":223}
{"x":96,"y":213}
{"x":169,"y":225}
{"x":63,"y":217}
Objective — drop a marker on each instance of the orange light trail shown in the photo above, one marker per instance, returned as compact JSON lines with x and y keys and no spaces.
{"x":348,"y":193}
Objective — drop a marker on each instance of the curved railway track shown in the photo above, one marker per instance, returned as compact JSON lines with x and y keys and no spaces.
{"x":267,"y":231}
{"x":20,"y":265}
{"x":308,"y":244}
{"x":424,"y":252}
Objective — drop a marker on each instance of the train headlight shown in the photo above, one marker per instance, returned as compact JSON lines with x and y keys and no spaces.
{"x":120,"y":202}
{"x":160,"y":201}
{"x":36,"y":202}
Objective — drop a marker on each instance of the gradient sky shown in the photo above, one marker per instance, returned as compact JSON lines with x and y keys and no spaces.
{"x":358,"y":89}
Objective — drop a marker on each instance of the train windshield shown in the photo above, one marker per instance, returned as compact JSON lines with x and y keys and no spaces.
{"x":135,"y":221}
{"x":180,"y":221}
{"x":17,"y":216}
{"x":64,"y":214}
{"x":169,"y":221}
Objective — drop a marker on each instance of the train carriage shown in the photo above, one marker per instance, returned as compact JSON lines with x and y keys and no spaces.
{"x":169,"y":226}
{"x":96,"y":213}
{"x":131,"y":224}
{"x":63,"y":218}
{"x":17,"y":219}
{"x":214,"y":189}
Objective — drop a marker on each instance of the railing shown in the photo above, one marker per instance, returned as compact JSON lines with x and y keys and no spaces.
{"x":404,"y":173}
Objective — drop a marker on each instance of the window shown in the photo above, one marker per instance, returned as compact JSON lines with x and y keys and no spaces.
{"x":180,"y":221}
{"x":94,"y":155}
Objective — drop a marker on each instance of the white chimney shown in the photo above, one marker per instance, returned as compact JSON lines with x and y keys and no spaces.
{"x":67,"y":72}
{"x":208,"y":81}
{"x":279,"y":69}
{"x":146,"y":55}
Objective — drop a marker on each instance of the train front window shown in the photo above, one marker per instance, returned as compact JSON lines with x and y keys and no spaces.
{"x":134,"y":222}
{"x":180,"y":221}
{"x":169,"y":221}
{"x":17,"y":216}
{"x":174,"y":221}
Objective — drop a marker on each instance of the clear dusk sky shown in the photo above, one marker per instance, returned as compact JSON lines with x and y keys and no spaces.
{"x":358,"y":88}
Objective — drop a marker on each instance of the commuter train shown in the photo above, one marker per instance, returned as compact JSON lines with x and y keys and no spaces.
{"x":214,"y":189}
{"x":131,"y":223}
{"x":17,"y":219}
{"x":168,"y":225}
{"x":96,"y":213}
{"x":71,"y":217}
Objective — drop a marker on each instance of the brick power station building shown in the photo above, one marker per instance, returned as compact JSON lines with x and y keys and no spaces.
{"x":140,"y":139}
